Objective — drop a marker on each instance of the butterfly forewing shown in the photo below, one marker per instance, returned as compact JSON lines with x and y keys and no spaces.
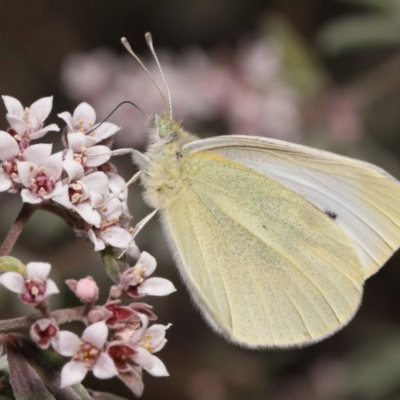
{"x":361,"y":198}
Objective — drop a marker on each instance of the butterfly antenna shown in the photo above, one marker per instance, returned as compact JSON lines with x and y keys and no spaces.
{"x":149,"y":41}
{"x":128,"y":47}
{"x":115,"y":109}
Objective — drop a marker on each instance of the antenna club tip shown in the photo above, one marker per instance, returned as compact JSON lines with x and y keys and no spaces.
{"x":149,"y":38}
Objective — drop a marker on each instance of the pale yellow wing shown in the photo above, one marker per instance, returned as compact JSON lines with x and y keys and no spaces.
{"x":364,"y":198}
{"x":265,"y":266}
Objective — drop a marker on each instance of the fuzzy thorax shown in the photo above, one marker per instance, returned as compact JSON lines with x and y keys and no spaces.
{"x":161,"y":164}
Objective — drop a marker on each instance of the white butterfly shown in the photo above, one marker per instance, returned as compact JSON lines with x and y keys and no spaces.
{"x":274,"y":240}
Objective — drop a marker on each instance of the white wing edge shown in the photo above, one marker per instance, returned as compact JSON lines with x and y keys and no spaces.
{"x":231,"y":141}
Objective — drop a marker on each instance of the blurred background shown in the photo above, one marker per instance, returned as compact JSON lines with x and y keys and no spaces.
{"x":322,"y":73}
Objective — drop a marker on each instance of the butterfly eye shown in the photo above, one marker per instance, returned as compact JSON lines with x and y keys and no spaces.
{"x":165,"y":129}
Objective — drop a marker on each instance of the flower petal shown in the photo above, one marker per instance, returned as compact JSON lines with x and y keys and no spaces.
{"x":51,"y":288}
{"x":117,"y":237}
{"x":117,"y":183}
{"x":38,"y":270}
{"x":148,"y":262}
{"x":66,"y":343}
{"x":40,"y":109}
{"x":158,"y":368}
{"x":37,"y":153}
{"x":74,"y":170}
{"x":17,"y":124}
{"x":106,"y":130}
{"x":13,"y":106}
{"x":13,"y":281}
{"x":8,"y":146}
{"x":84,"y":116}
{"x":90,"y":215}
{"x":98,"y":155}
{"x":156,"y":287}
{"x":5,"y":180}
{"x":63,"y":197}
{"x":26,"y":172}
{"x":41,"y":132}
{"x":72,"y":373}
{"x":76,"y":141}
{"x":98,"y":243}
{"x":97,"y":182}
{"x":29,"y":197}
{"x":104,"y":367}
{"x":96,"y":334}
{"x":53,"y":165}
{"x":143,"y":357}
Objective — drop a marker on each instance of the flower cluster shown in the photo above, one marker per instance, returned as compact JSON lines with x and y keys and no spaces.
{"x":117,"y":341}
{"x":79,"y":181}
{"x":82,"y":186}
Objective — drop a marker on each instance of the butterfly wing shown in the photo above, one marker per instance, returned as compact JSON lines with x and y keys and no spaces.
{"x":264,"y":265}
{"x":362,"y":198}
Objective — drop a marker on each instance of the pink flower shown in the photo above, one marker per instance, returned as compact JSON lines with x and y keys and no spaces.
{"x":87,"y":354}
{"x":135,"y":281}
{"x":83,"y":193}
{"x":82,"y":149}
{"x":113,"y":230}
{"x":42,"y":181}
{"x":34,"y":287}
{"x":84,"y":120}
{"x":11,"y":152}
{"x":86,"y":289}
{"x":136,"y":346}
{"x":43,"y":332}
{"x":29,"y":122}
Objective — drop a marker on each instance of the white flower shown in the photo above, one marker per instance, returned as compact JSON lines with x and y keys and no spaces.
{"x":84,"y":120}
{"x":142,"y":342}
{"x":43,"y":332}
{"x":12,"y":151}
{"x":82,"y":149}
{"x":136,"y":283}
{"x":111,"y":232}
{"x":87,"y":354}
{"x":83,"y":193}
{"x":34,"y":287}
{"x":41,"y":181}
{"x":29,"y":121}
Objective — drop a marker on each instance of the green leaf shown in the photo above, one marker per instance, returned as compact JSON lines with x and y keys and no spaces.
{"x":374,"y":369}
{"x":359,"y":32}
{"x":302,"y":68}
{"x":8,"y":263}
{"x":114,"y":267}
{"x":24,"y":380}
{"x":43,"y":375}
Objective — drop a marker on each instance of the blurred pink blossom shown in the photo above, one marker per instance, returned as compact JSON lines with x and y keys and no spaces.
{"x":247,"y":92}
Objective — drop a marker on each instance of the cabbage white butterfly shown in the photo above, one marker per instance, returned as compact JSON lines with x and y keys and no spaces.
{"x":274,"y":240}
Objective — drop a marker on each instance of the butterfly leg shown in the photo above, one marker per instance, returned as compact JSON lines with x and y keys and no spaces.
{"x":138,"y":228}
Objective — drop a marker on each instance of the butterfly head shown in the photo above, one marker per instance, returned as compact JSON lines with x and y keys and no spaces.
{"x":163,"y":127}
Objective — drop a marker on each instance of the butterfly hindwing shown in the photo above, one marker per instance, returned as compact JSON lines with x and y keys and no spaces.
{"x":265,"y":266}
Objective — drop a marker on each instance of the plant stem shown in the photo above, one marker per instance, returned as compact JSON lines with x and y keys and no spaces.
{"x":59,"y":316}
{"x":23,"y":217}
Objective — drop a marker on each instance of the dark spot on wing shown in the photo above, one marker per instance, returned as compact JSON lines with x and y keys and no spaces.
{"x":331,"y":214}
